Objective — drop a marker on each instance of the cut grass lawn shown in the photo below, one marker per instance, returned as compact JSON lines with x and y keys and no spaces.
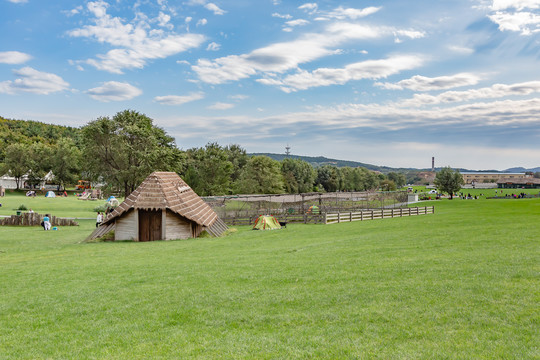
{"x":462,"y":283}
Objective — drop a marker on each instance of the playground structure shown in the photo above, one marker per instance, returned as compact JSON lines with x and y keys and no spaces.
{"x":91,"y":194}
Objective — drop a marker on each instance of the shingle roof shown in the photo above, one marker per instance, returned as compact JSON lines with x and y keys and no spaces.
{"x":167,"y":190}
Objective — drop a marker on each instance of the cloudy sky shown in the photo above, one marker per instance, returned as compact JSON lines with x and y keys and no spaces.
{"x":384,"y":82}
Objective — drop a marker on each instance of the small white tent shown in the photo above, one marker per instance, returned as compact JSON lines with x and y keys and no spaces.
{"x":50,"y":194}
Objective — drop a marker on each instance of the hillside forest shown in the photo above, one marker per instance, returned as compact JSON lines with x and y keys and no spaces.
{"x":120,"y":151}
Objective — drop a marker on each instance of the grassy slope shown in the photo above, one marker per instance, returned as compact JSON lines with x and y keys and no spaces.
{"x":463,"y":283}
{"x":60,"y":206}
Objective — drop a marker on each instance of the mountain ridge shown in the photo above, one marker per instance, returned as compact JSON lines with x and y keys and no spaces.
{"x":317,"y":161}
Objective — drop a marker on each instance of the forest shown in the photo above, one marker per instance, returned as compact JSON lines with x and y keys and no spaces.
{"x":120,"y":151}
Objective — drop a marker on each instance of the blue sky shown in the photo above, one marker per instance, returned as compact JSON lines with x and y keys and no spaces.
{"x":383,"y":82}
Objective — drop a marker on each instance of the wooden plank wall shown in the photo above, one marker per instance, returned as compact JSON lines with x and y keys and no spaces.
{"x":35,"y":219}
{"x":177,"y":227}
{"x":127,"y":226}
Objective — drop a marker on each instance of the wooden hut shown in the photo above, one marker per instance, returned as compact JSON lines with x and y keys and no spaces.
{"x":163,"y":207}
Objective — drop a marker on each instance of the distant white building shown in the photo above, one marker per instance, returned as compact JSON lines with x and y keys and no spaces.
{"x":9,"y":182}
{"x":491,"y":177}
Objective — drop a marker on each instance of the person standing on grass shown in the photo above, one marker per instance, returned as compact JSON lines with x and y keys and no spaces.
{"x":99,"y":219}
{"x":46,"y":222}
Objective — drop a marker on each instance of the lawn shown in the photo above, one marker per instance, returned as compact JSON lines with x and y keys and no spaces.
{"x":462,"y":283}
{"x":69,"y":206}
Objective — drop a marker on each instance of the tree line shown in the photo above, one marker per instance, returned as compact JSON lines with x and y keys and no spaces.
{"x":120,"y":151}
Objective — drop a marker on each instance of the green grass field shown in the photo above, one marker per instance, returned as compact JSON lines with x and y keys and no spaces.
{"x":463,"y":283}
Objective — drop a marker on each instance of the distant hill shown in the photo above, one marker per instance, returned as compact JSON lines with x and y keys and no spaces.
{"x":522,"y":169}
{"x":317,"y":161}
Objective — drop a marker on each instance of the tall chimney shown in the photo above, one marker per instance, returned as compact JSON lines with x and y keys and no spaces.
{"x":433,"y":163}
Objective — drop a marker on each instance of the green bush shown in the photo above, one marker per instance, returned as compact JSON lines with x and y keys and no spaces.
{"x":22,"y":207}
{"x":101,"y":208}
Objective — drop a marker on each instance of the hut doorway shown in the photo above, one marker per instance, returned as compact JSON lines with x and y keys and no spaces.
{"x":149,"y":225}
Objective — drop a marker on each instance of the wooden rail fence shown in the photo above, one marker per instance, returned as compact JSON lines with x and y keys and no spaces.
{"x":332,"y":218}
{"x":377,"y":214}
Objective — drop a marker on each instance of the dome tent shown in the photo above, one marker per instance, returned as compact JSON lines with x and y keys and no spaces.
{"x":265,"y":222}
{"x":50,"y":194}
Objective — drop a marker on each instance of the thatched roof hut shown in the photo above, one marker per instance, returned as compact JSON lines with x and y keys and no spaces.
{"x":163,"y":207}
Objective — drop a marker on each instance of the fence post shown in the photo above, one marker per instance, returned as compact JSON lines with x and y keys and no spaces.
{"x":338,"y":217}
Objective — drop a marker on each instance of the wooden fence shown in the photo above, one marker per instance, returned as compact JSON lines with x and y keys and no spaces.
{"x":332,"y":218}
{"x":377,"y":214}
{"x":35,"y":219}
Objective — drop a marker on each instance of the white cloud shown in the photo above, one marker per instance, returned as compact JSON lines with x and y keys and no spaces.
{"x":221,"y":106}
{"x":492,"y":92}
{"x":282,"y":16}
{"x":164,"y":20}
{"x":13,"y":57}
{"x":524,"y":22}
{"x":238,"y":97}
{"x":297,"y":22}
{"x":311,"y":7}
{"x":178,"y":100}
{"x":202,"y":22}
{"x":114,"y":91}
{"x":515,"y":4}
{"x":512,"y":15}
{"x":370,"y":69}
{"x":411,"y":34}
{"x":33,"y":81}
{"x":74,"y":11}
{"x":134,"y":45}
{"x":280,"y":57}
{"x":422,"y":83}
{"x":18,"y":1}
{"x":214,"y":8}
{"x":213,"y":46}
{"x":342,"y":13}
{"x":461,"y":49}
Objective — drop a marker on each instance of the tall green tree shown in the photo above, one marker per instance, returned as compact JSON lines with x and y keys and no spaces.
{"x":65,"y":162}
{"x":38,"y":162}
{"x":388,"y":185}
{"x":449,"y":181}
{"x":15,"y":162}
{"x":329,"y":177}
{"x":298,"y":175}
{"x":398,"y":178}
{"x":125,"y":149}
{"x":209,"y":170}
{"x":238,"y":158}
{"x":261,"y":175}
